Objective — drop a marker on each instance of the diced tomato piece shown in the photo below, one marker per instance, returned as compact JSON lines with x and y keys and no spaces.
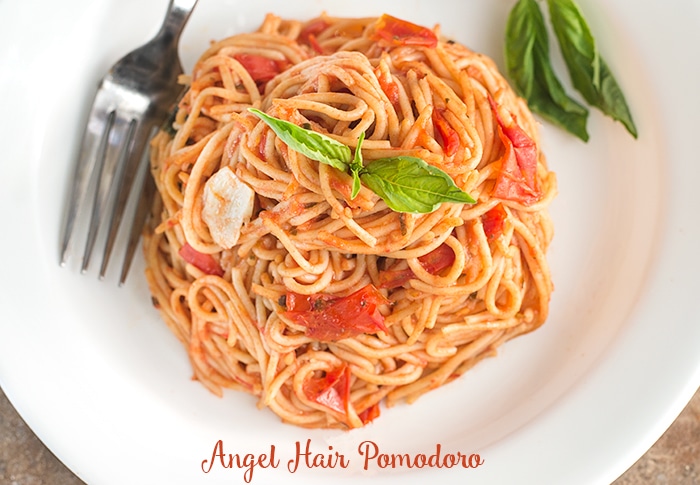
{"x":435,"y":261}
{"x":331,"y":390}
{"x":517,"y":179}
{"x":395,"y":278}
{"x":328,"y":318}
{"x":388,"y":86}
{"x":370,"y":414}
{"x":438,"y":259}
{"x":314,"y":28}
{"x":204,"y":262}
{"x":493,"y":221}
{"x":309,"y":33}
{"x":450,"y":138}
{"x":260,"y":68}
{"x":393,"y":32}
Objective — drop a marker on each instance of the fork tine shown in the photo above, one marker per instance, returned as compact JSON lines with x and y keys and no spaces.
{"x":93,"y":136}
{"x":114,"y":155}
{"x":124,"y":159}
{"x":100,"y":194}
{"x":146,"y":190}
{"x":136,"y":149}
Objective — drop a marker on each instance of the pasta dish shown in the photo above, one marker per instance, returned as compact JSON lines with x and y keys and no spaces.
{"x":351,"y":212}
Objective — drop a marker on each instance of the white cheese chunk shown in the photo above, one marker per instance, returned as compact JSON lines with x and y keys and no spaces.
{"x":228,"y":204}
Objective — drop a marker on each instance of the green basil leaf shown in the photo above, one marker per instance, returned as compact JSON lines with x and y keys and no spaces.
{"x":356,"y":166}
{"x":316,"y":146}
{"x":589,"y":72}
{"x":409,"y":184}
{"x":529,"y":67}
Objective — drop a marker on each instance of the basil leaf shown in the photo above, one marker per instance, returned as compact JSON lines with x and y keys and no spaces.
{"x":529,"y":67}
{"x":316,"y":146}
{"x":356,"y":166}
{"x":409,"y":184}
{"x":406,"y":184}
{"x":589,"y":72}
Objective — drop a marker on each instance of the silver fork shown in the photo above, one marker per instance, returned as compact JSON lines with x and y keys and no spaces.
{"x":132,"y":100}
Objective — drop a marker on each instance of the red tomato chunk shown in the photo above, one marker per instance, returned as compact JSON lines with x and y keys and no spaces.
{"x":204,"y":262}
{"x":332,"y":390}
{"x":393,"y":32}
{"x":328,"y":318}
{"x":517,"y":179}
{"x":435,"y":261}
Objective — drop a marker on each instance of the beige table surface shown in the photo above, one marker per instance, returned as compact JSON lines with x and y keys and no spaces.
{"x":674,"y":459}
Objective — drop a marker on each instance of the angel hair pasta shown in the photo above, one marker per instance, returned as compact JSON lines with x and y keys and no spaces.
{"x":306,"y":282}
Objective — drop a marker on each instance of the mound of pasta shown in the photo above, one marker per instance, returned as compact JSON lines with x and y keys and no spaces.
{"x":351,"y":212}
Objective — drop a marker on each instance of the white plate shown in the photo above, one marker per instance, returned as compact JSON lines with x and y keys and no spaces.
{"x":105,"y":385}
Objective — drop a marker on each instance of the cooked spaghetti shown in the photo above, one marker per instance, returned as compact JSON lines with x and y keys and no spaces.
{"x":281,"y":284}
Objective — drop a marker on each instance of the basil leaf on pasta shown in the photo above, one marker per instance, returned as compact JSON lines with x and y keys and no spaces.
{"x":356,"y":166}
{"x":406,"y":184}
{"x":315,"y":146}
{"x":409,"y":184}
{"x":589,"y":72}
{"x":528,"y":65}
